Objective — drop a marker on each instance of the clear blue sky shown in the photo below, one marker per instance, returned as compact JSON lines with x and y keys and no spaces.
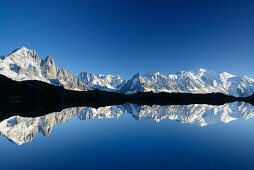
{"x":128,"y":36}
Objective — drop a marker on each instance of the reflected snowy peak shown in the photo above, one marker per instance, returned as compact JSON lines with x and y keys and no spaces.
{"x":21,"y":130}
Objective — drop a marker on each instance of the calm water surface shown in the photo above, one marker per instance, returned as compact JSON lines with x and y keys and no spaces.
{"x":132,"y":137}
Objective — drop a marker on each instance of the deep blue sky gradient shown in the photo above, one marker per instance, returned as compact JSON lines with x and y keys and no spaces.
{"x":128,"y":36}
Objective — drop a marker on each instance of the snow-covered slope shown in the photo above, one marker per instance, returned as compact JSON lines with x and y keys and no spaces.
{"x":102,"y":82}
{"x":22,"y":130}
{"x":198,"y":81}
{"x":25,"y":64}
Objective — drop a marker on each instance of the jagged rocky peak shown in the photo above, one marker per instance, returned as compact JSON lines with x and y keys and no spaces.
{"x":85,"y":77}
{"x":137,"y":75}
{"x":134,"y":85}
{"x":49,"y":60}
{"x":21,"y":49}
{"x":24,"y":52}
{"x":150,"y":75}
{"x":101,"y":81}
{"x":48,"y":68}
{"x":137,"y":78}
{"x":202,"y":70}
{"x":158,"y":74}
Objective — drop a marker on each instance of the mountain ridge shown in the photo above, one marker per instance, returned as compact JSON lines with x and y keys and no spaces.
{"x":198,"y":81}
{"x":25,"y":64}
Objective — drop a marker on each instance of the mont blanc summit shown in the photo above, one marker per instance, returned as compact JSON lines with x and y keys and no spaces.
{"x":25,"y":64}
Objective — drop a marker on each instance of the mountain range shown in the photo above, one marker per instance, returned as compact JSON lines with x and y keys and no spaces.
{"x":25,"y":64}
{"x":21,"y":130}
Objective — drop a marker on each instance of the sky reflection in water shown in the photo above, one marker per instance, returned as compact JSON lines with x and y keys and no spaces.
{"x":118,"y":140}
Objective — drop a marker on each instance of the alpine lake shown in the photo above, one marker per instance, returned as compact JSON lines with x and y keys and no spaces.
{"x":129,"y":136}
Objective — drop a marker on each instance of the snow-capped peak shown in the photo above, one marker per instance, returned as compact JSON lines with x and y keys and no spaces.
{"x":25,"y":64}
{"x":196,"y":81}
{"x":202,"y":70}
{"x":102,"y":82}
{"x":157,"y":73}
{"x":137,"y":75}
{"x":20,"y":49}
{"x":24,"y":52}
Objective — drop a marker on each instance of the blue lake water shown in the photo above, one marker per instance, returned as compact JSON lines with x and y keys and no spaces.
{"x":132,"y":137}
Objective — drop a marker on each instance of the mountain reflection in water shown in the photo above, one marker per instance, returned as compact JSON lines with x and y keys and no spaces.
{"x":21,"y":130}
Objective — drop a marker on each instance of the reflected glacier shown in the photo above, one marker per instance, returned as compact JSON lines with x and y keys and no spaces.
{"x":20,"y":130}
